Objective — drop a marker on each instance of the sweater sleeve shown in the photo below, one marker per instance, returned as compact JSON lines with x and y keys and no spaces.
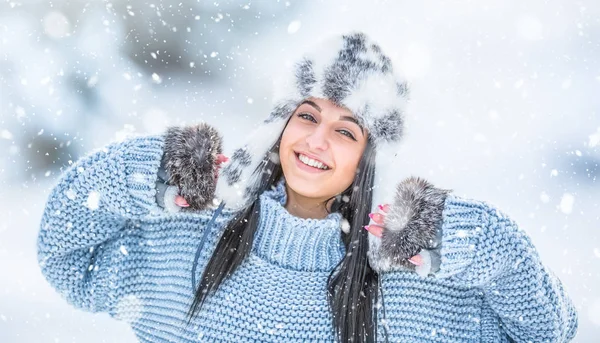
{"x":88,"y":221}
{"x":482,"y":247}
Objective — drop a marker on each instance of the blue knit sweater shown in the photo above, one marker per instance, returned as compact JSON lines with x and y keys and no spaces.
{"x":106,"y":246}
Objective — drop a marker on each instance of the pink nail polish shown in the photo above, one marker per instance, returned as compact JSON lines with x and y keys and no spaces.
{"x":371,"y":215}
{"x":366,"y":227}
{"x":413,"y":262}
{"x":380,"y":207}
{"x":180,"y":201}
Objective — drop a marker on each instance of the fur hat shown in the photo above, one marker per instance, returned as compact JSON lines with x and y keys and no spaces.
{"x":351,"y":71}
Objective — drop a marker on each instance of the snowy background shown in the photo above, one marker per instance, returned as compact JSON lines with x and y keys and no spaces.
{"x":505,"y":108}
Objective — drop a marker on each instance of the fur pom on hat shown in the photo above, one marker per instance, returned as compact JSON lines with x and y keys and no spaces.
{"x":351,"y":71}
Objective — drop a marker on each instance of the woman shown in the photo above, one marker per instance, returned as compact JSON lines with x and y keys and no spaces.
{"x":281,"y":254}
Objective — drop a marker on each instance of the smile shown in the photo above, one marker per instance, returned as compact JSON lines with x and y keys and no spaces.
{"x":310,"y":164}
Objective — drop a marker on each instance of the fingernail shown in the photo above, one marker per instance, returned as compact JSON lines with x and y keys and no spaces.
{"x":222,"y":157}
{"x":371,"y":215}
{"x":380,"y":207}
{"x":416,"y":260}
{"x":384,"y":208}
{"x":366,"y":227}
{"x":180,"y":201}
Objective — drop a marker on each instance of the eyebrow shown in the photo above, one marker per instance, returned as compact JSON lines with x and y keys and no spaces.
{"x":344,"y":118}
{"x":353,"y":120}
{"x":312,"y":104}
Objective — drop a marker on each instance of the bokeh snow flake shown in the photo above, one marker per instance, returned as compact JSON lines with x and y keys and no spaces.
{"x":5,"y":134}
{"x":156,"y":78}
{"x":544,"y":197}
{"x":93,"y":200}
{"x":566,"y":203}
{"x":129,"y":308}
{"x":56,"y":24}
{"x":294,"y":26}
{"x":345,"y":225}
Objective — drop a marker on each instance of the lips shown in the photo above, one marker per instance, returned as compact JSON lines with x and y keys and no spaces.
{"x":308,"y":169}
{"x":311,"y":157}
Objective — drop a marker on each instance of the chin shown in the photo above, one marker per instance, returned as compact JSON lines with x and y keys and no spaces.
{"x":314,"y":188}
{"x":307,"y":188}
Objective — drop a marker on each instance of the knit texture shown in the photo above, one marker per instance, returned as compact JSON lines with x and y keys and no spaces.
{"x":106,"y":246}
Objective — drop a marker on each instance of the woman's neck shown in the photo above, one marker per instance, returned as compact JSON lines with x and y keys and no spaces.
{"x":303,"y":207}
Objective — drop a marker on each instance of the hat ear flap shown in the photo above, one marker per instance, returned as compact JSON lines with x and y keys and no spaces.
{"x":237,"y":181}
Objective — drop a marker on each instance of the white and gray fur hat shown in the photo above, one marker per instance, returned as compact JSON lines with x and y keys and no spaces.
{"x":350,"y":70}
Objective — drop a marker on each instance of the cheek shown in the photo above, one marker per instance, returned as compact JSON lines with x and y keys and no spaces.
{"x":347,"y":163}
{"x":288,"y":138}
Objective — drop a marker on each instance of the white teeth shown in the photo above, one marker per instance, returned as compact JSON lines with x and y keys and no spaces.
{"x":313,"y":163}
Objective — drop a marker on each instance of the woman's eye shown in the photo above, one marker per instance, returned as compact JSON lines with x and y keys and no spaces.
{"x":347,"y":133}
{"x":307,"y":116}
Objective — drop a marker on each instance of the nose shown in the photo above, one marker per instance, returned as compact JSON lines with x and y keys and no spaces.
{"x":318,"y":139}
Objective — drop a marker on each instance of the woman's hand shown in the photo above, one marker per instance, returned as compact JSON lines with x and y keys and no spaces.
{"x":378,"y":227}
{"x":181,"y":202}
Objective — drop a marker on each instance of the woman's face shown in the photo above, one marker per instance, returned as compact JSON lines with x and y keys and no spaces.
{"x":320,"y":149}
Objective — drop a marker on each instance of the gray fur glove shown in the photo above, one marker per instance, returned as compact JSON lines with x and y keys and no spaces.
{"x":411,"y":226}
{"x":189,"y":167}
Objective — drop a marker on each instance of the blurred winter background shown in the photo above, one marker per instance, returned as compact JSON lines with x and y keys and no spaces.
{"x":505,"y":108}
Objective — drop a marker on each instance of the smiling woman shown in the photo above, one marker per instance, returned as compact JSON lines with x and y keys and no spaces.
{"x":320,"y":149}
{"x":276,"y":232}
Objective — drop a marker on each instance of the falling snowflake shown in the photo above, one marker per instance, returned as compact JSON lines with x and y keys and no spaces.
{"x":294,"y":26}
{"x":6,"y":134}
{"x":156,"y":78}
{"x":566,"y":203}
{"x":345,"y":225}
{"x":93,"y":200}
{"x":71,"y":195}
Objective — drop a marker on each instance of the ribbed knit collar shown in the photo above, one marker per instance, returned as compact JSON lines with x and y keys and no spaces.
{"x":293,"y":242}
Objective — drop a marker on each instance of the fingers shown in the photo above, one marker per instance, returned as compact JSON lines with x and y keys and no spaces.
{"x":385,"y":208}
{"x":377,"y":218}
{"x":222,"y":158}
{"x":417,"y":260}
{"x":380,"y":217}
{"x":376,"y":230}
{"x":180,"y":201}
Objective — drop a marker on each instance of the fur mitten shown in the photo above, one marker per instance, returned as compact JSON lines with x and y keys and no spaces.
{"x":189,"y":166}
{"x":412,"y":226}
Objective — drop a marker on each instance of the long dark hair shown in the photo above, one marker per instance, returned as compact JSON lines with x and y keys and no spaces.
{"x":352,"y":285}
